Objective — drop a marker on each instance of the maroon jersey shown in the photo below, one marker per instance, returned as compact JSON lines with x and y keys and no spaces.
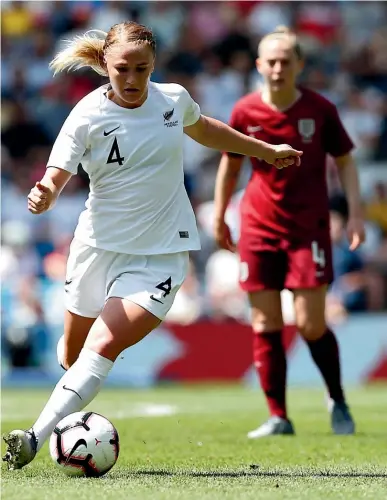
{"x":291,"y":204}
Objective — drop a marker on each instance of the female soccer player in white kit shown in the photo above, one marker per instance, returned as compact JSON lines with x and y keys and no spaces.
{"x":130,"y":250}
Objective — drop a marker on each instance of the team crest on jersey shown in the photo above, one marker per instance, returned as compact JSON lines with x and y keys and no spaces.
{"x":307,"y":128}
{"x":167,"y":116}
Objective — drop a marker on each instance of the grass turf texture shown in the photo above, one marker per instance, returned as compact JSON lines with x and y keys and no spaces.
{"x":190,"y":443}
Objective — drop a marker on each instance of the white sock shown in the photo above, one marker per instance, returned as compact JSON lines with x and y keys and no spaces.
{"x":75,"y":390}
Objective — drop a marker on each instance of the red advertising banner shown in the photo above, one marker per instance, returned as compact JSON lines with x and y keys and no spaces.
{"x":223,"y":351}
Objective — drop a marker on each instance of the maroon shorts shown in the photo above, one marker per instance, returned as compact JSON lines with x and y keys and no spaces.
{"x":276,"y":267}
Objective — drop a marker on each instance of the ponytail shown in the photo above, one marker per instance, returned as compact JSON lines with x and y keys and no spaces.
{"x":83,"y":51}
{"x":88,"y":50}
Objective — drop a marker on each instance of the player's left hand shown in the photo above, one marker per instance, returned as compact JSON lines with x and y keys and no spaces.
{"x":355,"y":232}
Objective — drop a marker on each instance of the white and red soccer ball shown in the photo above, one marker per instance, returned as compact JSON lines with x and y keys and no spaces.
{"x":84,"y":444}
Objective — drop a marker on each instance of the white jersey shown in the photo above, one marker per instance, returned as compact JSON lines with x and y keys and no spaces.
{"x":134,"y":157}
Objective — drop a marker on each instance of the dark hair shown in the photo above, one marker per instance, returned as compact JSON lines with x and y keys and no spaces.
{"x":282,"y":32}
{"x":90,"y":49}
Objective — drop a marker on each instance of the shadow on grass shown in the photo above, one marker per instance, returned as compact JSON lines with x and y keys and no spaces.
{"x":254,"y":471}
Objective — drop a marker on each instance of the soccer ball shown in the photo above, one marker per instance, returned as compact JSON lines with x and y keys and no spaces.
{"x":84,"y":444}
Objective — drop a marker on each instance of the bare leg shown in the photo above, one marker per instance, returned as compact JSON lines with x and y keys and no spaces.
{"x":76,"y":330}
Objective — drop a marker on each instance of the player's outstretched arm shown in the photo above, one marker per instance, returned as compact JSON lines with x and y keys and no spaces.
{"x":44,"y":194}
{"x":217,"y":135}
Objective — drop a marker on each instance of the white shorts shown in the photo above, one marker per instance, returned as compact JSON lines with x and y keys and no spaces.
{"x":94,"y":275}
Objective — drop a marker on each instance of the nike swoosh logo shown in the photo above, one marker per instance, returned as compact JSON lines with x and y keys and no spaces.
{"x":68,"y":282}
{"x":111,"y":131}
{"x":72,"y":390}
{"x":156,"y":300}
{"x":80,"y":442}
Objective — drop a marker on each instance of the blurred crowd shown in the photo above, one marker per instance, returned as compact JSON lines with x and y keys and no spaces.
{"x":210,"y":48}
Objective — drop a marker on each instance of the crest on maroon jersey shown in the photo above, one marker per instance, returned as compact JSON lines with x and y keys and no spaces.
{"x":306,"y":127}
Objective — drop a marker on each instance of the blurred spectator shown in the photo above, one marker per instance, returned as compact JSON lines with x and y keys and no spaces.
{"x":206,"y":17}
{"x":22,"y":134}
{"x":166,"y":19}
{"x":369,"y":63}
{"x":188,"y":304}
{"x":265,"y":17}
{"x":360,"y":20}
{"x":38,"y":72}
{"x":25,"y":338}
{"x":15,"y":85}
{"x":16,"y":20}
{"x":237,"y":40}
{"x":319,"y":21}
{"x":53,"y":105}
{"x":376,"y":207}
{"x":18,"y":259}
{"x":362,"y":121}
{"x":224,"y":298}
{"x":347,"y":292}
{"x":380,"y":153}
{"x":107,"y":14}
{"x":58,"y":21}
{"x":218,"y":88}
{"x":185,"y":62}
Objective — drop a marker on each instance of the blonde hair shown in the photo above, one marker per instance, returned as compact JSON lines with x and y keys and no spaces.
{"x":282,"y":33}
{"x":89,"y":50}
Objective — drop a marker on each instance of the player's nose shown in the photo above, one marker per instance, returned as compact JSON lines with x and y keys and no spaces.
{"x":130,"y":79}
{"x":277,"y":69}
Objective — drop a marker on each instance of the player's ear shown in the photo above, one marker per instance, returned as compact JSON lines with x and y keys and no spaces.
{"x":301,"y":65}
{"x":258,"y":64}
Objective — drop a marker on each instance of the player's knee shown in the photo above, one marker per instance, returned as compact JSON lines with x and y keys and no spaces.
{"x":104,"y":342}
{"x":311,"y":330}
{"x":267,"y":324}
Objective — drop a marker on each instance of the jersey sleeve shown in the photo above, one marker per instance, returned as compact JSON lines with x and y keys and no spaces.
{"x":336,"y":139}
{"x":191,"y":109}
{"x":71,"y":143}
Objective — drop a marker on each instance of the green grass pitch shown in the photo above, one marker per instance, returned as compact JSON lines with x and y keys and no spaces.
{"x":190,"y":443}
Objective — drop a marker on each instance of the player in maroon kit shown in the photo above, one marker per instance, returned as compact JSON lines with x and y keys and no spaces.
{"x":284,"y":240}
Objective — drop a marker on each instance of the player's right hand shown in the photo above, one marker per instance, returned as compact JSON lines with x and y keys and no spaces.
{"x":222,"y":235}
{"x":39,"y":199}
{"x":283,"y":155}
